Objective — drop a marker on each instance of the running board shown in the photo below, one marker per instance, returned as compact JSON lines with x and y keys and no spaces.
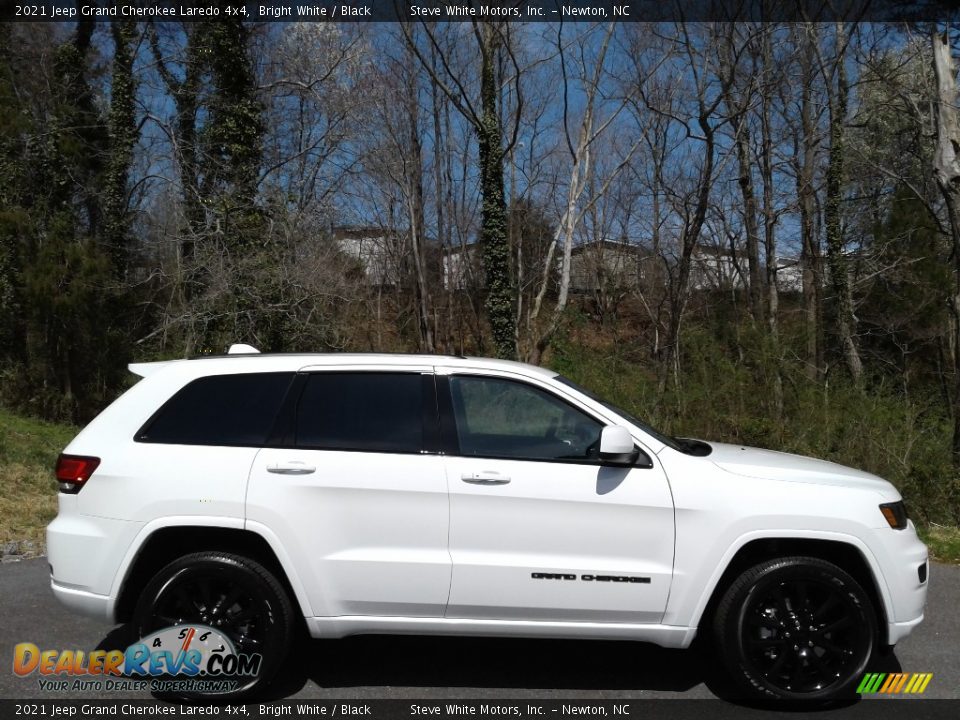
{"x":669,"y":636}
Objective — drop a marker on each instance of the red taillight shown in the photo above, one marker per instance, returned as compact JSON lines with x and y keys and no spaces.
{"x":74,"y":470}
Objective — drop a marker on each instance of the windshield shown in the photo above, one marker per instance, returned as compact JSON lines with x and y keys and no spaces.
{"x":665,"y":439}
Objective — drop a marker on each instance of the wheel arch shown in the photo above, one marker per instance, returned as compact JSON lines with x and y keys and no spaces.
{"x":162,"y":545}
{"x":845,"y":552}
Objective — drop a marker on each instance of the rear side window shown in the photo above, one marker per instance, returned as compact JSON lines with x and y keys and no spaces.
{"x":220,"y":410}
{"x":375,"y":412}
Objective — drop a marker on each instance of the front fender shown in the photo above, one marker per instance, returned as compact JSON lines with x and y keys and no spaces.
{"x":687,"y":608}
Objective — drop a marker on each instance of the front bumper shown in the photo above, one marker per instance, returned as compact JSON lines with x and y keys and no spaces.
{"x":905,"y":566}
{"x":899,"y":630}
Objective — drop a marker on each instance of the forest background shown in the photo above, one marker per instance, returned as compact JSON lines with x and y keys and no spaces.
{"x":740,"y":231}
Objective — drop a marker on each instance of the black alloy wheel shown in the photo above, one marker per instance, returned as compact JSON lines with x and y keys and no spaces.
{"x":236,"y":597}
{"x":796,"y":628}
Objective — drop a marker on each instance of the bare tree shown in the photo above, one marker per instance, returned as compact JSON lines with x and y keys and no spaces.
{"x":740,"y":90}
{"x":481,"y":108}
{"x":692,"y":205}
{"x":770,"y":79}
{"x":582,"y":192}
{"x":838,"y":99}
{"x":946,"y":168}
{"x":395,"y":162}
{"x":806,"y":141}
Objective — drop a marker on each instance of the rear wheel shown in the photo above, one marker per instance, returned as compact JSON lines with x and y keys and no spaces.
{"x":223,"y":602}
{"x":796,"y":628}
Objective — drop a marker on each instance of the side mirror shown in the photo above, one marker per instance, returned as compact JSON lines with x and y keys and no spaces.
{"x":616,"y":446}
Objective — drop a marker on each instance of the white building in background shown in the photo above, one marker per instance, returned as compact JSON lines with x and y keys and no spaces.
{"x":608,"y":265}
{"x":615,"y":264}
{"x":378,"y":252}
{"x":789,"y":274}
{"x":714,"y":268}
{"x":596,"y":265}
{"x":462,"y":267}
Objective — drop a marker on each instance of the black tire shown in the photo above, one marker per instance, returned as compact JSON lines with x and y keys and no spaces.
{"x":796,"y":628}
{"x":194,"y":589}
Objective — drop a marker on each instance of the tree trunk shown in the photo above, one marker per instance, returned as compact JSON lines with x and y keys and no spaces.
{"x":737,"y":106}
{"x":581,"y":179}
{"x":804,"y":160}
{"x":745,"y":181}
{"x":123,"y":137}
{"x":444,"y":331}
{"x":414,"y":193}
{"x":186,"y":98}
{"x":836,"y":256}
{"x":769,"y":226}
{"x":690,"y":238}
{"x":485,"y":121}
{"x":946,"y":168}
{"x":493,"y":231}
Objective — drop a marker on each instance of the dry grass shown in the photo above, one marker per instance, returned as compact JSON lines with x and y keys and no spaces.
{"x":28,"y":493}
{"x":943,"y":541}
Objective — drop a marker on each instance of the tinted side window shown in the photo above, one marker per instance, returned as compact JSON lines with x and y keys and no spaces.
{"x":503,"y":418}
{"x":220,"y":410}
{"x":376,"y":412}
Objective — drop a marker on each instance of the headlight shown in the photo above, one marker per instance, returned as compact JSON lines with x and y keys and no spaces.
{"x":896,"y":514}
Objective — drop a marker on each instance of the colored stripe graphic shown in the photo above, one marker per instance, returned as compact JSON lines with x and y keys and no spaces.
{"x":870,"y":682}
{"x":894,"y":683}
{"x":922,"y":685}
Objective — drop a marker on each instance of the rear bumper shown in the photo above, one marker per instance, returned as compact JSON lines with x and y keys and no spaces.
{"x":83,"y":602}
{"x":85,"y":553}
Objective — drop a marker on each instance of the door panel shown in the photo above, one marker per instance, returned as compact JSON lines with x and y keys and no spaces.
{"x":359,"y":498}
{"x":367,"y":531}
{"x":561,"y":540}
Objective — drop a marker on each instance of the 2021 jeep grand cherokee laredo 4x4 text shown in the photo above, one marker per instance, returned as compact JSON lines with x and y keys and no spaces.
{"x":425,"y":494}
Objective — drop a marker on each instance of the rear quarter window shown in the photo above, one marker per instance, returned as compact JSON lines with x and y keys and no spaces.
{"x":220,"y":410}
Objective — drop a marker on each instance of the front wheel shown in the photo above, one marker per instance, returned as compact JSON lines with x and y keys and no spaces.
{"x":796,"y":628}
{"x":228,"y":612}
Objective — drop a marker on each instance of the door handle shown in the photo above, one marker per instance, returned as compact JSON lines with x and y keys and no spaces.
{"x":293,"y":467}
{"x":485,"y":477}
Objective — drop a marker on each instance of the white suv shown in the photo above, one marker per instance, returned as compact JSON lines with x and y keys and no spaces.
{"x":427,"y":494}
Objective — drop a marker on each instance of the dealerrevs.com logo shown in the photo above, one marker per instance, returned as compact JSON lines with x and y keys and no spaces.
{"x":182,"y":658}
